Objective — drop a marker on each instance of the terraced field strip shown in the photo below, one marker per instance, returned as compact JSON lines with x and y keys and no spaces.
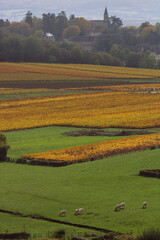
{"x":99,"y":110}
{"x":152,"y":87}
{"x":105,"y":69}
{"x":58,"y":221}
{"x":80,"y":71}
{"x":95,"y":151}
{"x":4,"y":91}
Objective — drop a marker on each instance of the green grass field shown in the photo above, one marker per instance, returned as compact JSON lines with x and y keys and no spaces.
{"x":96,"y":186}
{"x":38,"y":229}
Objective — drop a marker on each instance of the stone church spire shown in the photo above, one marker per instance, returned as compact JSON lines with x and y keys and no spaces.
{"x":106,"y":16}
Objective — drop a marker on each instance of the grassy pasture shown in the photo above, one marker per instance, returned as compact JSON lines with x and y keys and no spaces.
{"x":38,"y":229}
{"x":97,"y":186}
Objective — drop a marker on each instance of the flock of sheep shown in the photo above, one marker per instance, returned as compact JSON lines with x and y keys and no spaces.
{"x":80,"y":211}
{"x":123,"y":205}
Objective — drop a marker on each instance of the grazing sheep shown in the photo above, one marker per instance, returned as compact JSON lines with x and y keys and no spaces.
{"x":123,"y":205}
{"x":144,"y":205}
{"x":63,"y":213}
{"x":76,"y":212}
{"x":117,"y":208}
{"x":81,"y":210}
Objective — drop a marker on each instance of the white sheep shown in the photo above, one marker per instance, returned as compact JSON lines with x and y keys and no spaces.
{"x":123,"y":205}
{"x":117,"y":208}
{"x":62,"y":213}
{"x":81,"y":210}
{"x":144,"y":204}
{"x":76,"y":212}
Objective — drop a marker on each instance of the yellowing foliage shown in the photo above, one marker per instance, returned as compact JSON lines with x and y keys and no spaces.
{"x":112,"y":109}
{"x":4,"y":91}
{"x":34,"y":71}
{"x":98,"y":150}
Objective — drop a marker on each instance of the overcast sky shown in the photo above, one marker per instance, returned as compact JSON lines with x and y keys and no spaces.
{"x":130,"y":11}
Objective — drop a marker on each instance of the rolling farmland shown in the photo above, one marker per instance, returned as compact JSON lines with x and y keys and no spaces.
{"x":78,"y":70}
{"x":35,"y":72}
{"x":39,"y":104}
{"x":101,"y":110}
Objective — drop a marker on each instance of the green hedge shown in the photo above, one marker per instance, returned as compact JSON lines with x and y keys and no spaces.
{"x":3,"y":147}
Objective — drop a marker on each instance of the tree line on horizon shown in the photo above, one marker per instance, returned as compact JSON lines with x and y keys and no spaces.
{"x":116,"y":45}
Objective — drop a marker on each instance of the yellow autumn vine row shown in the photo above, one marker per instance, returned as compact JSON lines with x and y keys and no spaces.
{"x":98,"y":150}
{"x":101,"y":110}
{"x":80,"y":70}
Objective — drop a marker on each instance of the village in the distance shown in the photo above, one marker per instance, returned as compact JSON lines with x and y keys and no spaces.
{"x":102,"y":42}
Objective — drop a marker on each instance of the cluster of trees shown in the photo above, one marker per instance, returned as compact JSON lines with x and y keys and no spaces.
{"x":116,"y":45}
{"x":16,"y":48}
{"x":129,"y":58}
{"x":23,"y":41}
{"x":60,"y":26}
{"x":134,"y":46}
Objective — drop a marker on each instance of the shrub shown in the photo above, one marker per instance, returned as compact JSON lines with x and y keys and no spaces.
{"x":60,"y":233}
{"x":3,"y":147}
{"x":151,"y":234}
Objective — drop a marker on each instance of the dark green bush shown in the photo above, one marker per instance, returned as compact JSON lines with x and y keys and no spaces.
{"x":3,"y":147}
{"x":2,"y":139}
{"x":151,"y":234}
{"x":59,"y":234}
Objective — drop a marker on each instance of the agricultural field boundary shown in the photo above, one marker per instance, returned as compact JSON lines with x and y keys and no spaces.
{"x":92,"y":151}
{"x":58,"y":221}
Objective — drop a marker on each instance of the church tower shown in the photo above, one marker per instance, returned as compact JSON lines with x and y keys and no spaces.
{"x":106,"y":17}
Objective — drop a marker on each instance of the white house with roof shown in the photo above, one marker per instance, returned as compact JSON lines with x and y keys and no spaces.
{"x":49,"y":36}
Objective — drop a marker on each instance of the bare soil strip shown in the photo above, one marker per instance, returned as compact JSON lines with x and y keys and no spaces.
{"x":58,"y":221}
{"x":101,"y":132}
{"x":59,"y":85}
